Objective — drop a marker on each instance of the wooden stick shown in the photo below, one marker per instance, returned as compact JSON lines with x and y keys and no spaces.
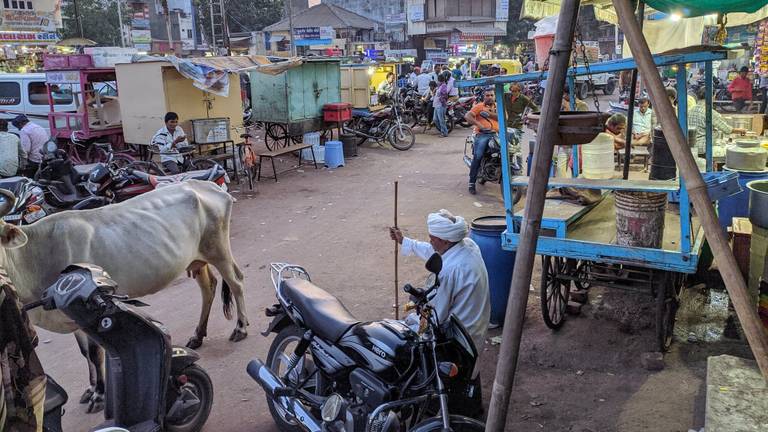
{"x":697,"y":190}
{"x":546,"y":138}
{"x":397,"y":256}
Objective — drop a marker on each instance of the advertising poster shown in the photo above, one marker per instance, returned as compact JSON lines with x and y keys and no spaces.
{"x":28,"y":15}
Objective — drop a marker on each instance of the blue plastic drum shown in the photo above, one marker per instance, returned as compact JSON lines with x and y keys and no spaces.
{"x":334,"y":154}
{"x":486,"y":232}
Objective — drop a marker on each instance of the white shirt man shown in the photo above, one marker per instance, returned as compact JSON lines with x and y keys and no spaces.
{"x":168,"y":139}
{"x":11,"y":154}
{"x":463,"y":289}
{"x":33,"y":137}
{"x":642,"y":123}
{"x":422,"y":83}
{"x":464,"y":70}
{"x":453,"y":91}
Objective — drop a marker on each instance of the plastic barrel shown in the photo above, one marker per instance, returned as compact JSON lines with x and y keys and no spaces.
{"x":486,"y":232}
{"x":737,"y":205}
{"x":334,"y":154}
{"x":640,"y":218}
{"x":662,"y":163}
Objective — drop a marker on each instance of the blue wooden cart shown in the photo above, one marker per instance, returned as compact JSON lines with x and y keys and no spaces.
{"x":577,"y":242}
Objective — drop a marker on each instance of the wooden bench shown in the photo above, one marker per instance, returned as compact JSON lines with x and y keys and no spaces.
{"x":640,"y":151}
{"x":281,"y":151}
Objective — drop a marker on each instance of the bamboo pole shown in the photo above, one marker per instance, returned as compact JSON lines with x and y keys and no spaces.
{"x":546,"y":139}
{"x":729,"y":270}
{"x":397,"y":258}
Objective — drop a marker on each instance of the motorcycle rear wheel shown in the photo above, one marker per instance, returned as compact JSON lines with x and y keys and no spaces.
{"x":458,"y":424}
{"x":277,"y":361}
{"x":402,"y":137}
{"x":201,"y":386}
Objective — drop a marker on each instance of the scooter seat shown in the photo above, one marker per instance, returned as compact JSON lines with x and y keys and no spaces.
{"x":361,"y":113}
{"x":321,"y":311}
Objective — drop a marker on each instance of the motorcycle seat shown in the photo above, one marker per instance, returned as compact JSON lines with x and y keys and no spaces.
{"x":85,"y":169}
{"x":154,"y":180}
{"x":55,"y":396}
{"x":13,"y":184}
{"x":465,"y":99}
{"x":321,"y":311}
{"x":361,"y":113}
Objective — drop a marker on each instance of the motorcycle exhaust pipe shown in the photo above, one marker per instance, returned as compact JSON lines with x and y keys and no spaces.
{"x":270,"y":383}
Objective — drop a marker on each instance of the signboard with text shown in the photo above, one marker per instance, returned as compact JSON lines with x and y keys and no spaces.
{"x":28,"y":37}
{"x":398,"y":18}
{"x":141,"y":37}
{"x":313,"y":33}
{"x":62,"y":77}
{"x":416,"y":12}
{"x":502,"y":10}
{"x":35,"y":16}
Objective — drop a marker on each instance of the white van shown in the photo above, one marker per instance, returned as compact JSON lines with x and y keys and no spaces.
{"x":26,"y":94}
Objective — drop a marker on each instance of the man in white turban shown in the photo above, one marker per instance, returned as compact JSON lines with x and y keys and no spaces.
{"x":463,"y":290}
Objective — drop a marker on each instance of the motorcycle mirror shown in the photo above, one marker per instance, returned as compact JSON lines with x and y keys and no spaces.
{"x":434,"y":263}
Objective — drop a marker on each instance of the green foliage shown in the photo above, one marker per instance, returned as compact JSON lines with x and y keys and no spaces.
{"x":99,"y":21}
{"x":243,"y":16}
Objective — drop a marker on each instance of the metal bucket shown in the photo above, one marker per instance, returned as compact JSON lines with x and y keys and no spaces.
{"x":758,"y":202}
{"x":640,"y":218}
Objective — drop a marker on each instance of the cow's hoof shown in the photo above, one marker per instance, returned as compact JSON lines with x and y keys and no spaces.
{"x":194,"y":342}
{"x":96,"y":403}
{"x":87,"y":395}
{"x":238,"y":335}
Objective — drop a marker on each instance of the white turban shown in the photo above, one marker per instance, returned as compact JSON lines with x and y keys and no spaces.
{"x":446,"y":226}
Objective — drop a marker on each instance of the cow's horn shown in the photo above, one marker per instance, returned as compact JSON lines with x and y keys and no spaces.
{"x":7,"y":201}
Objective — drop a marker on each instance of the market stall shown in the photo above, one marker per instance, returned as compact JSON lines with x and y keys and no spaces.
{"x":359,"y":83}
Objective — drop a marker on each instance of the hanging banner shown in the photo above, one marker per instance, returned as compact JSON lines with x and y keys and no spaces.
{"x":36,"y":16}
{"x":140,"y":16}
{"x":141,"y":37}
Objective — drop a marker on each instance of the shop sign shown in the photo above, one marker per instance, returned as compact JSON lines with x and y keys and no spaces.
{"x":437,"y":56}
{"x":141,"y":37}
{"x":398,"y":18}
{"x":38,"y":16}
{"x":110,"y":56}
{"x":28,"y":37}
{"x":416,"y":12}
{"x":400,"y":53}
{"x":458,"y":38}
{"x":502,"y":10}
{"x":62,"y":77}
{"x":313,"y":33}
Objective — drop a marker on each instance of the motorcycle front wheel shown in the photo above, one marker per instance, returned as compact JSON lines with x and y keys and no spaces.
{"x":198,"y":385}
{"x":458,"y":424}
{"x":401,"y":137}
{"x":279,"y":354}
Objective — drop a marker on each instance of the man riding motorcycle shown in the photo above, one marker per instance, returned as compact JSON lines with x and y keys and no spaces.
{"x":484,"y":117}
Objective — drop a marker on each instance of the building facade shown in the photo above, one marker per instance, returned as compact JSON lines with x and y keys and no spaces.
{"x":455,"y":28}
{"x":389,"y":12}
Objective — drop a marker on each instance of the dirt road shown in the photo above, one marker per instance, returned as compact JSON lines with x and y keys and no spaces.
{"x":586,"y":377}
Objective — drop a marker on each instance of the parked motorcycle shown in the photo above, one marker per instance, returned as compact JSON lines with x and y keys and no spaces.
{"x":28,"y":206}
{"x":490,"y":165}
{"x":386,"y":124}
{"x":151,"y":384}
{"x":327,"y":371}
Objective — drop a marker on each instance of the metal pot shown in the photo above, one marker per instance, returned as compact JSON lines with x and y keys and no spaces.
{"x":758,"y":202}
{"x":575,"y":127}
{"x":746,"y":158}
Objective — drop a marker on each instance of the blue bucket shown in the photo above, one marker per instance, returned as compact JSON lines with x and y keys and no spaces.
{"x":334,"y":154}
{"x":737,"y":205}
{"x":486,"y":232}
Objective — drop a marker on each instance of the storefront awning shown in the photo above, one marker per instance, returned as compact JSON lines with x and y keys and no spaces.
{"x":481,"y":31}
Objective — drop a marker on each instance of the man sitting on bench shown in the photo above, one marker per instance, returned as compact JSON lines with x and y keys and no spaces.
{"x":168,"y":139}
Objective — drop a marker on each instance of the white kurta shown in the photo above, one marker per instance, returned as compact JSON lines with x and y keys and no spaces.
{"x":463,"y":289}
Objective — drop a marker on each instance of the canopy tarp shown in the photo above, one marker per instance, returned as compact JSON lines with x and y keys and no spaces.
{"x":662,"y":35}
{"x":694,"y":8}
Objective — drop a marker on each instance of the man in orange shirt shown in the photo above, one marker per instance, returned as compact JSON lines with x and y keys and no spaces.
{"x":485,"y":119}
{"x":741,"y":89}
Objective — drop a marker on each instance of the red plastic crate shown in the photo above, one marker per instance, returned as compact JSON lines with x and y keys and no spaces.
{"x":80,"y":61}
{"x":337,"y":112}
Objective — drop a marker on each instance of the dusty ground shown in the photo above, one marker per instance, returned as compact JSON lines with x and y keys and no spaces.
{"x":586,"y":377}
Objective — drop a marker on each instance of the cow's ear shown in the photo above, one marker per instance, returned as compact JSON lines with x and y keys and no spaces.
{"x":12,"y":237}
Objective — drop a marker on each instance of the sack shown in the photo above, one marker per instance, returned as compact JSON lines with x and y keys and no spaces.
{"x":249,"y":157}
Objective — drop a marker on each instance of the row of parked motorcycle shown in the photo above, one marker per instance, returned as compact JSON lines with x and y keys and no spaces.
{"x":61,"y":185}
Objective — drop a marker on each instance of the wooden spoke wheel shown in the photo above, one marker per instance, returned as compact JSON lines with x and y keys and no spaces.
{"x":583,"y":268}
{"x":554,"y":290}
{"x":276,"y":136}
{"x":669,"y":285}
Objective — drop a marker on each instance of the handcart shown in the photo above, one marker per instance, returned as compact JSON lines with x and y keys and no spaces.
{"x":578,"y":242}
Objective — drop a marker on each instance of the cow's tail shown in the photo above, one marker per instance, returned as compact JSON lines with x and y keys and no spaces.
{"x":226,"y":299}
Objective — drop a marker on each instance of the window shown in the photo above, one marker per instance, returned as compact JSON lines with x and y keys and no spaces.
{"x":38,"y":95}
{"x":22,"y":5}
{"x":6,"y":4}
{"x":10,"y":93}
{"x":14,"y":4}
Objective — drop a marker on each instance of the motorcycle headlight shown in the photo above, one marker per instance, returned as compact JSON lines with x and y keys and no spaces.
{"x":332,"y":408}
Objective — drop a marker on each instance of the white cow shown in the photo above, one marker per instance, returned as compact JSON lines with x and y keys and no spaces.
{"x":144,"y":244}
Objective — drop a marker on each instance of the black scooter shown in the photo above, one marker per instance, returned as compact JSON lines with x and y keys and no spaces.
{"x":151,"y":384}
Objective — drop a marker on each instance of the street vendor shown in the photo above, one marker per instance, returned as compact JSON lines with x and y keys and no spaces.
{"x":741,"y":89}
{"x":463,"y":280}
{"x":169,"y":138}
{"x":617,"y":127}
{"x":387,"y":86}
{"x":698,"y":119}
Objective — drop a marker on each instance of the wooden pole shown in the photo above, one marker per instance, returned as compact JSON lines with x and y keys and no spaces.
{"x":546,"y":138}
{"x":697,"y":190}
{"x":397,"y":258}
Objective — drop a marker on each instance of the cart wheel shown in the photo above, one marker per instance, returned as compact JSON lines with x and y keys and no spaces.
{"x":583,"y":268}
{"x":276,"y":136}
{"x":667,"y":302}
{"x":326,"y":135}
{"x":554,"y":291}
{"x":297,"y":139}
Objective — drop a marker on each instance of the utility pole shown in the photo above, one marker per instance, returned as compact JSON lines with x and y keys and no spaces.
{"x":213,"y":29}
{"x":168,"y":27}
{"x":289,"y":5}
{"x":77,"y":19}
{"x":120,"y":21}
